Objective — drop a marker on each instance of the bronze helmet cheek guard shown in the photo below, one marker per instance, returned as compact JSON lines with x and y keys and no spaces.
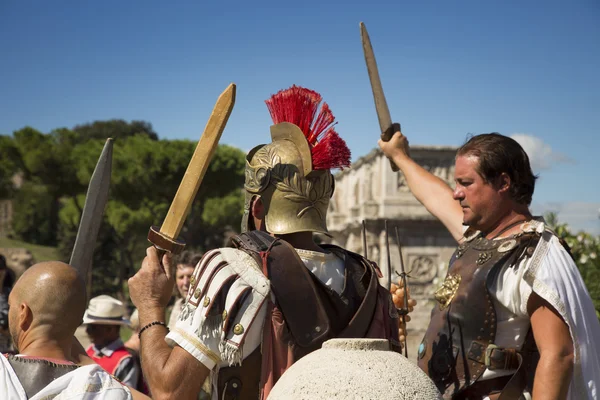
{"x":295,"y":196}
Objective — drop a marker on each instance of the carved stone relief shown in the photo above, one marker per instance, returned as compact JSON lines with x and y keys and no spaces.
{"x":423,"y":268}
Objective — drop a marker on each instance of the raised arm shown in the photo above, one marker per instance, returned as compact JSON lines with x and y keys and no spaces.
{"x":170,"y":373}
{"x":430,"y":190}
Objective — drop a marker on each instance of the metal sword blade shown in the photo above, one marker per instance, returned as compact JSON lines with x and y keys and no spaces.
{"x":383,"y":112}
{"x":93,"y":213}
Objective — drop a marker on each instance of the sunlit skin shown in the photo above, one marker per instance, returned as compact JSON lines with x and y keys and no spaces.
{"x":33,"y":319}
{"x":483,"y":203}
{"x":486,"y":206}
{"x":182,"y":278}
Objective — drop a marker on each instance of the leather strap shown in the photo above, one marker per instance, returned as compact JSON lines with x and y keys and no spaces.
{"x":528,"y":358}
{"x":503,"y":359}
{"x":506,"y":387}
{"x":292,"y":285}
{"x":297,"y":296}
{"x":241,"y":381}
{"x":360,"y":323}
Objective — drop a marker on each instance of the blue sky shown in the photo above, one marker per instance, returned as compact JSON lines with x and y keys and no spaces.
{"x":449,"y":68}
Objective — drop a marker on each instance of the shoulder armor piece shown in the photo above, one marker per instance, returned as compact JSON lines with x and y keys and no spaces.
{"x":227,"y":292}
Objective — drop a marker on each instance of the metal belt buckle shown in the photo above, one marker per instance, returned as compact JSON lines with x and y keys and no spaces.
{"x":488,"y":354}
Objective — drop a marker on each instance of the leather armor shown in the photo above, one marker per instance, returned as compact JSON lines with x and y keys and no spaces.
{"x":36,"y":374}
{"x":308,"y":310}
{"x":459,"y":343}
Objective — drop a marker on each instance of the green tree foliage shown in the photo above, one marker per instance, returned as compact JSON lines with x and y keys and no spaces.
{"x":114,"y":128}
{"x":32,"y":205}
{"x":146,"y":173}
{"x":585,"y":249}
{"x":10,"y":164}
{"x":45,"y":160}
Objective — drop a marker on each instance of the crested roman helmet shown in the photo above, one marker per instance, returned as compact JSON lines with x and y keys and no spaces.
{"x":292,"y":173}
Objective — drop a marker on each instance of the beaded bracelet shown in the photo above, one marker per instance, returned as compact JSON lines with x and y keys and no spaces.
{"x":152,"y":324}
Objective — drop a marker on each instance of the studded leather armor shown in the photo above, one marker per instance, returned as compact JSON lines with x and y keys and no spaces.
{"x":459,"y":342}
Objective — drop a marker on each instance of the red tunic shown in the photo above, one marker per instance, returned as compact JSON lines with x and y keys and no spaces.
{"x":109,"y":364}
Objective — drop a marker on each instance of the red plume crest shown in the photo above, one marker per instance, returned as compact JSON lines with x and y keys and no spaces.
{"x":300,"y":106}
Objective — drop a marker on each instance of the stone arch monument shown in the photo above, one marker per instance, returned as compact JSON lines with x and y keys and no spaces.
{"x":371,"y":191}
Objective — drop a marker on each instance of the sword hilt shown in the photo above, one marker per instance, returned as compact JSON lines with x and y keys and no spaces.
{"x":163,"y":243}
{"x":386,"y":136}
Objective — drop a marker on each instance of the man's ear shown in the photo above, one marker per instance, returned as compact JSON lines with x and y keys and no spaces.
{"x":503,"y":182}
{"x":258,"y":208}
{"x":25,"y":318}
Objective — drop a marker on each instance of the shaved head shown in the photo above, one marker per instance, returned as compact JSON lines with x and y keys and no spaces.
{"x":50,"y":297}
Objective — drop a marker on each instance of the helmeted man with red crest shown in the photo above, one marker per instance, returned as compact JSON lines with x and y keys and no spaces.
{"x":255,"y":309}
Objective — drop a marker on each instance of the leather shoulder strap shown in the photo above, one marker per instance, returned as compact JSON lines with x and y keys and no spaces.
{"x":361,"y":321}
{"x":291,"y":283}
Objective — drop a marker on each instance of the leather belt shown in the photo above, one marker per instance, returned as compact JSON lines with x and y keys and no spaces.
{"x":498,"y":358}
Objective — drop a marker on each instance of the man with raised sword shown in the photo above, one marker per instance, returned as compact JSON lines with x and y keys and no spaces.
{"x":513,"y":317}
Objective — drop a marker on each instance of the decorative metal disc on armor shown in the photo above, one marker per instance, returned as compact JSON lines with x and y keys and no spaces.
{"x":206,"y":301}
{"x":507,"y":246}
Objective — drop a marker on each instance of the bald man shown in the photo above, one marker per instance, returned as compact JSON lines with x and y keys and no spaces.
{"x":46,"y":306}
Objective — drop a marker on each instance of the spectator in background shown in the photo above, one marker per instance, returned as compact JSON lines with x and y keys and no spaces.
{"x":185,"y":264}
{"x":104,"y":317}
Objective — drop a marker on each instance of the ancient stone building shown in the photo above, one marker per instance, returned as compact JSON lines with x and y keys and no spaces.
{"x":372,"y":192}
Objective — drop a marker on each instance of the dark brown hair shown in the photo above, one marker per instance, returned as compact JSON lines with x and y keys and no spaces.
{"x":188,"y":257}
{"x":500,"y":154}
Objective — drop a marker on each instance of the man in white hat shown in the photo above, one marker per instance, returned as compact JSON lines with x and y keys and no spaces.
{"x":103,"y":319}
